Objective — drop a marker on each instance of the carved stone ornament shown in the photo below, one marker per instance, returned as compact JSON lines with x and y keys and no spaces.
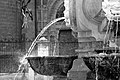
{"x":86,"y":15}
{"x":111,"y":9}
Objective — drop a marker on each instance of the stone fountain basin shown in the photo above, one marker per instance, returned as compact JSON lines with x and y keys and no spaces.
{"x":108,"y":66}
{"x":51,"y":66}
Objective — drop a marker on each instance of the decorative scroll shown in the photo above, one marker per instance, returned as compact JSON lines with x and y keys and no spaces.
{"x":93,"y":10}
{"x":87,"y":15}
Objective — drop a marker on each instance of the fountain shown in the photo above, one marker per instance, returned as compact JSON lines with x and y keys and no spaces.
{"x":52,"y":65}
{"x":94,"y":23}
{"x":104,"y":63}
{"x":107,"y":65}
{"x":55,"y":65}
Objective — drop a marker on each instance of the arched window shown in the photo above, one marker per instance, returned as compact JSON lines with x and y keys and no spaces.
{"x":60,"y":12}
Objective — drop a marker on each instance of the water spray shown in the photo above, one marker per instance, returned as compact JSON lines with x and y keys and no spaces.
{"x":24,"y":61}
{"x":112,"y":13}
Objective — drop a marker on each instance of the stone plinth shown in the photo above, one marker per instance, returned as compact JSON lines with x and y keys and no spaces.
{"x":79,"y":70}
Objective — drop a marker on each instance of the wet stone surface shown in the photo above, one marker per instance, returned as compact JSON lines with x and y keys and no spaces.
{"x":105,"y":67}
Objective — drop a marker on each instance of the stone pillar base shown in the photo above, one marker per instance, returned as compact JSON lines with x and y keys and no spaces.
{"x":79,"y":70}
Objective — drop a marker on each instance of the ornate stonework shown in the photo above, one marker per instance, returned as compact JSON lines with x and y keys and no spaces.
{"x":87,"y":16}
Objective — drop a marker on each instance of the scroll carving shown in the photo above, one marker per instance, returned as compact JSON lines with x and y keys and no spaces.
{"x":87,"y":15}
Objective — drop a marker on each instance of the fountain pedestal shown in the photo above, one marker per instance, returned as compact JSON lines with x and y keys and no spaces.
{"x":79,"y":70}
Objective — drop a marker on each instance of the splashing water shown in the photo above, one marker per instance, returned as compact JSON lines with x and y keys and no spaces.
{"x":24,"y":61}
{"x":96,"y":68}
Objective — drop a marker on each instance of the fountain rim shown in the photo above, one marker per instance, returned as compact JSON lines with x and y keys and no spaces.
{"x":98,"y":55}
{"x":66,"y":56}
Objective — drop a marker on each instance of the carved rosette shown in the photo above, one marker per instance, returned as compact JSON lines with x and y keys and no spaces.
{"x":86,"y":15}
